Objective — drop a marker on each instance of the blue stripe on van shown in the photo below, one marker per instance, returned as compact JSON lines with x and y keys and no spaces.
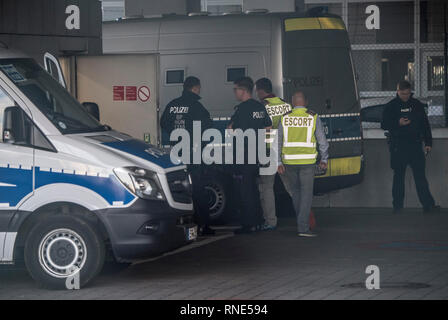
{"x":109,"y":188}
{"x":20,"y":183}
{"x":143,"y":150}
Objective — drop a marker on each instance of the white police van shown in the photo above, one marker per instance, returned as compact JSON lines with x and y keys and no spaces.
{"x":71,"y":188}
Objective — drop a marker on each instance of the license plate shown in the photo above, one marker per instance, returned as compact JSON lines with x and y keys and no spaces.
{"x":192,"y":233}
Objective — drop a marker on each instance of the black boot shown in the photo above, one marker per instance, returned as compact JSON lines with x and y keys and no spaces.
{"x":433,"y":209}
{"x":207,"y":231}
{"x":245,"y":230}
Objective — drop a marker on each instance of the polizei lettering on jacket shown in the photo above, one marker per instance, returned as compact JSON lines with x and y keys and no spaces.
{"x":298,"y":122}
{"x":179,"y":109}
{"x":278,"y":110}
{"x":258,"y":115}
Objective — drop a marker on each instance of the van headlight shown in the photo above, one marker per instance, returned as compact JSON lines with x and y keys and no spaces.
{"x":141,"y":182}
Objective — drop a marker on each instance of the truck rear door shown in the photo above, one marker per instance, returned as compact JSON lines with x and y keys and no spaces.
{"x":317,"y":60}
{"x":125,"y":88}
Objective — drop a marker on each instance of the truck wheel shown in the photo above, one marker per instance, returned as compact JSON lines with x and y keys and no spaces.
{"x":217,"y":198}
{"x":64,"y":246}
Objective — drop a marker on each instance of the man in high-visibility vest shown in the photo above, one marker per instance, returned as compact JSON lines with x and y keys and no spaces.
{"x":275,"y":108}
{"x":300,"y":136}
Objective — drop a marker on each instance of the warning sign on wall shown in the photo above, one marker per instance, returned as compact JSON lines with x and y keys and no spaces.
{"x":144,"y":93}
{"x":131,"y":93}
{"x":118,"y":93}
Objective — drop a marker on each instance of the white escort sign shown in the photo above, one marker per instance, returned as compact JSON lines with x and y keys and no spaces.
{"x":298,"y":121}
{"x":278,"y":110}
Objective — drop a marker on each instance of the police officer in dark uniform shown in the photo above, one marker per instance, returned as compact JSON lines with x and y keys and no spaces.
{"x":180,"y":114}
{"x":249,"y":114}
{"x":406,"y":120}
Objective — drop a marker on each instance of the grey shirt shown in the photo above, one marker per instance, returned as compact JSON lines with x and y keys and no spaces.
{"x":320,"y":137}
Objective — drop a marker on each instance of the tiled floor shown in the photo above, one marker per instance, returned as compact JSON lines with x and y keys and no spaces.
{"x":407,"y":248}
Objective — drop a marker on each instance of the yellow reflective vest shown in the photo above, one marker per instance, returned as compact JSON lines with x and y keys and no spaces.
{"x":299,"y":140}
{"x":275,"y":108}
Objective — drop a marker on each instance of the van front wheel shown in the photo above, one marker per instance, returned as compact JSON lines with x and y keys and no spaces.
{"x":64,"y":252}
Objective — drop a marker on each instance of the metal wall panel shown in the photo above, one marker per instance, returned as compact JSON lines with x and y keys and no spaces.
{"x":99,"y":75}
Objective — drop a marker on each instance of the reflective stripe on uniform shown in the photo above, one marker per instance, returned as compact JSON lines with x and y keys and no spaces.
{"x":299,"y":144}
{"x":299,"y":156}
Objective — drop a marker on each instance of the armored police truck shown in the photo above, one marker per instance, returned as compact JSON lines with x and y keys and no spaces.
{"x":146,"y":60}
{"x":72,"y":188}
{"x":310,"y":52}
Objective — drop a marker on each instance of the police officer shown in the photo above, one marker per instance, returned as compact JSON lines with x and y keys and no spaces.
{"x":406,"y":120}
{"x":300,"y":133}
{"x":180,"y":114}
{"x":249,"y":114}
{"x":275,"y":107}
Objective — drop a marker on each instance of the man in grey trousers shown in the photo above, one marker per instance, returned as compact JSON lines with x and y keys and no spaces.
{"x":300,"y":136}
{"x":275,"y":108}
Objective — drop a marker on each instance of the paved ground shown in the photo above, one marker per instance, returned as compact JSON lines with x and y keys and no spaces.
{"x":408,"y":248}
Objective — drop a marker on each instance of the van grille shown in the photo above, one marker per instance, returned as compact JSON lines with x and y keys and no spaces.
{"x":180,"y":187}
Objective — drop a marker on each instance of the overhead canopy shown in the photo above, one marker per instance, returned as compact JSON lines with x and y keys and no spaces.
{"x":57,"y":26}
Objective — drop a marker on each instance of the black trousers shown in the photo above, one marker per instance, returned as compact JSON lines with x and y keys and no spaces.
{"x":200,"y":199}
{"x":245,"y":177}
{"x":402,"y":155}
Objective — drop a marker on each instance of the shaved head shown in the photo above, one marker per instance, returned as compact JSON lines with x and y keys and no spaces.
{"x":299,"y":99}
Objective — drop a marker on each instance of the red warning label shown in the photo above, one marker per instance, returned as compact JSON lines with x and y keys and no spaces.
{"x":118,"y":93}
{"x":131,"y":93}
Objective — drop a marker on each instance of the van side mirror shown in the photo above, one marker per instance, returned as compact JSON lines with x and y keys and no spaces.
{"x":372,"y":113}
{"x":13,"y":125}
{"x":93,"y":109}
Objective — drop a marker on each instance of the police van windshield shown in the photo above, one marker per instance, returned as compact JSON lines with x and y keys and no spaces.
{"x":65,"y":112}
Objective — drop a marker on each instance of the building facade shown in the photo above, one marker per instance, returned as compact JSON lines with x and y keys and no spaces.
{"x":407,"y":43}
{"x":391,"y":41}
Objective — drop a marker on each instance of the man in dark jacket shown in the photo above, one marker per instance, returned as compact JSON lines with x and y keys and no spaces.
{"x":249,"y":115}
{"x":180,"y":114}
{"x":406,"y":120}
